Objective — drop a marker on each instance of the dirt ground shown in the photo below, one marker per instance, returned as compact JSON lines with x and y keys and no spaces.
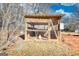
{"x":71,"y":40}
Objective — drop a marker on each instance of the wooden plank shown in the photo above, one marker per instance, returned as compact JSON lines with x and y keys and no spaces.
{"x":37,"y":30}
{"x":40,"y":21}
{"x":31,"y":20}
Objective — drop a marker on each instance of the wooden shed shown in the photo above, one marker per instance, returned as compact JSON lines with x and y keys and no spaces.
{"x":45,"y":27}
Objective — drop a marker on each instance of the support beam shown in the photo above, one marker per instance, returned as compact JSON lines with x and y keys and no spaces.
{"x":33,"y":26}
{"x":26,"y":35}
{"x":49,"y":30}
{"x":37,"y":30}
{"x":54,"y":30}
{"x":59,"y":34}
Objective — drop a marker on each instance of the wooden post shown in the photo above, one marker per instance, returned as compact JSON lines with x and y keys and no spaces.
{"x":26,"y":35}
{"x":44,"y":27}
{"x":59,"y":34}
{"x":49,"y":29}
{"x":33,"y":26}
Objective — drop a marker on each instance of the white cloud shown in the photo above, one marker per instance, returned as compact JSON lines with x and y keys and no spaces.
{"x":67,"y":14}
{"x":68,"y":4}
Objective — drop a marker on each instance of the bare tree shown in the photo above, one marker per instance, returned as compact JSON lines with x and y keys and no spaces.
{"x":12,"y":18}
{"x":37,"y":8}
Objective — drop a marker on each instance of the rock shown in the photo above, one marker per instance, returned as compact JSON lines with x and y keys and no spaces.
{"x":3,"y":54}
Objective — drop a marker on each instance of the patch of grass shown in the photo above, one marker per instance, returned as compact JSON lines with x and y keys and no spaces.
{"x":40,"y":48}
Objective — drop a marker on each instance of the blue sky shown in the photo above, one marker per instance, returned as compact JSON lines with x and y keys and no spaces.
{"x":65,"y":8}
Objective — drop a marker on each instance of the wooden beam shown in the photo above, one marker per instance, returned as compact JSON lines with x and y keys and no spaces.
{"x":54,"y":30}
{"x":59,"y":34}
{"x":49,"y":30}
{"x":41,"y":21}
{"x":40,"y":30}
{"x":26,"y":35}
